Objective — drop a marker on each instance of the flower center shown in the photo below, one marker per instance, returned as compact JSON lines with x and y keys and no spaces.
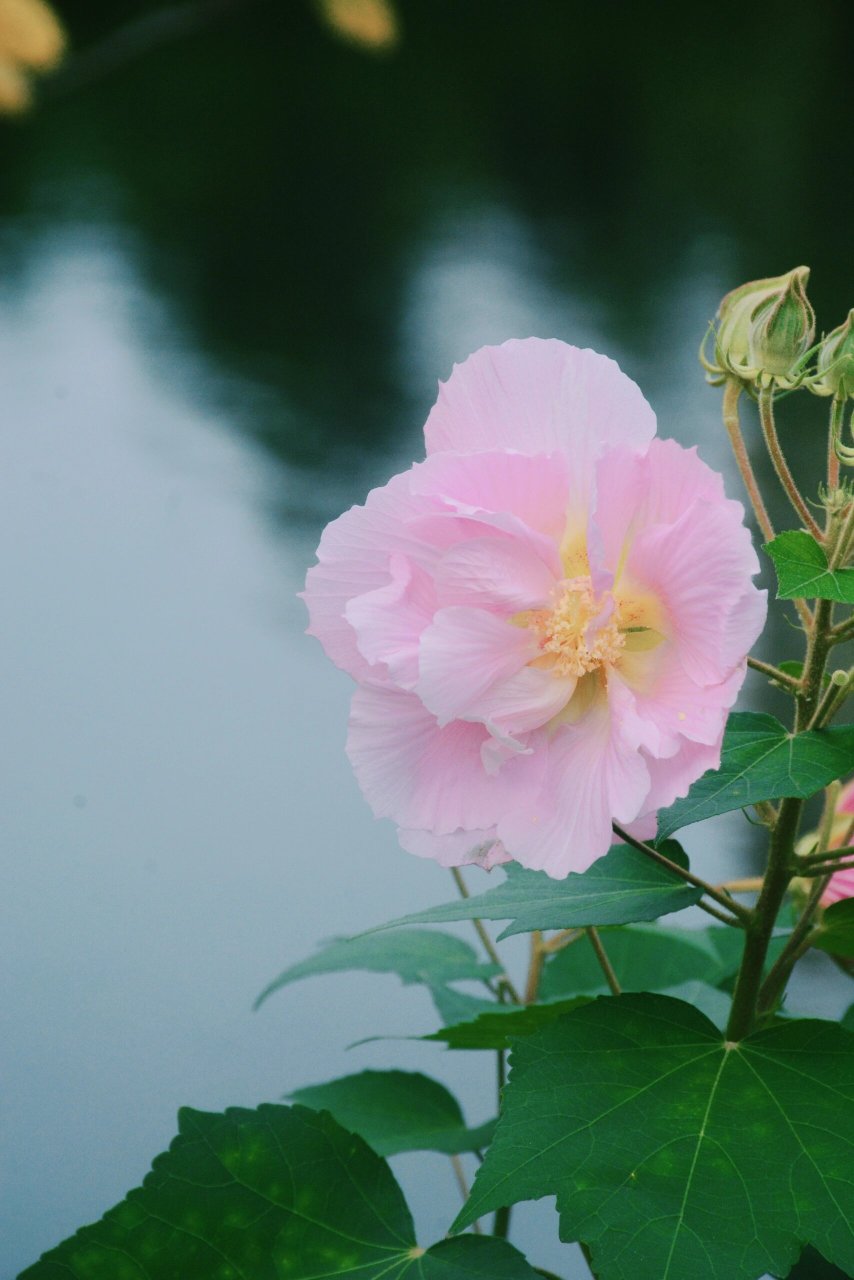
{"x":580,"y":634}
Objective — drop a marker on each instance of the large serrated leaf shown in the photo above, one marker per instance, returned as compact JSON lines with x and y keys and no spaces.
{"x":674,"y":1153}
{"x":761,"y":760}
{"x":620,"y":887}
{"x":415,"y":955}
{"x":397,"y":1111}
{"x":803,"y":571}
{"x":278,"y":1192}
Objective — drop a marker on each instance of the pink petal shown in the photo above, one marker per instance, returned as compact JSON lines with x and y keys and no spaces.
{"x":463,"y":653}
{"x":388,"y":622}
{"x":534,"y":489}
{"x":353,"y":559}
{"x":459,"y":849}
{"x":840,"y":886}
{"x":494,"y":573}
{"x":634,"y":491}
{"x":671,"y":779}
{"x":540,"y":396}
{"x":700,"y":569}
{"x":671,"y":707}
{"x":425,"y":777}
{"x":592,"y":778}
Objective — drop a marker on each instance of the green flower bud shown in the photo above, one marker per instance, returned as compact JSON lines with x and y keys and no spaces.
{"x":835,"y":366}
{"x":782,"y":328}
{"x":765,"y":328}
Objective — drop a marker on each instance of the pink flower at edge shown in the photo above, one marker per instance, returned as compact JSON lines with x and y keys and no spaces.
{"x":841,"y":885}
{"x":547,"y":619}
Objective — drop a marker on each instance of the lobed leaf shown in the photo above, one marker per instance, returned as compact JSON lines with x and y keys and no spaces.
{"x":397,"y":1111}
{"x":673,"y":1152}
{"x":415,"y":955}
{"x":621,"y":886}
{"x":803,"y":571}
{"x":762,"y":760}
{"x":277,"y":1192}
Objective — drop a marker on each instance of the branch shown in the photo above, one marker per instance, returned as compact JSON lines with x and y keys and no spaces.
{"x":781,"y":466}
{"x":488,"y":944}
{"x":605,"y":963}
{"x":721,"y":898}
{"x":774,"y":673}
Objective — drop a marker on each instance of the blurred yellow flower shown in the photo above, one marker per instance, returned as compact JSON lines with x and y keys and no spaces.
{"x":31,"y":40}
{"x":372,"y":23}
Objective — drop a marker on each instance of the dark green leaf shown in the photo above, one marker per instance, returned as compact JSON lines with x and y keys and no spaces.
{"x":278,"y":1192}
{"x":415,"y":955}
{"x":848,"y":1018}
{"x":673,"y":1153}
{"x":644,"y":958}
{"x":624,"y":885}
{"x":761,"y":760}
{"x":397,"y":1111}
{"x":836,"y":934}
{"x":496,"y":1029}
{"x":813,"y":1266}
{"x":802,"y":570}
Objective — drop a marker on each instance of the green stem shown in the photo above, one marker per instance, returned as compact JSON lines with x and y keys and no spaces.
{"x":764,"y":915}
{"x":781,"y":466}
{"x":775,"y":674}
{"x":778,"y":874}
{"x":779,"y":973}
{"x":501,"y":1225}
{"x":732,"y":391}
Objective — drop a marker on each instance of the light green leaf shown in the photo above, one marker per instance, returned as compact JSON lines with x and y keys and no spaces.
{"x":761,"y":760}
{"x":674,"y":1153}
{"x":278,"y":1192}
{"x":715,"y":1004}
{"x":644,"y":958}
{"x":503,"y":1024}
{"x":836,"y":933}
{"x":458,"y":1006}
{"x":397,"y":1111}
{"x":802,"y":570}
{"x":623,"y":885}
{"x":415,"y":955}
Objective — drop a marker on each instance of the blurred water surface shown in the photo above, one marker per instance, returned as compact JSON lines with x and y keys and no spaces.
{"x":232,"y":269}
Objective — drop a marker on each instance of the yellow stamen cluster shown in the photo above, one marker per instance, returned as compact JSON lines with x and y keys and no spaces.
{"x":570,"y":645}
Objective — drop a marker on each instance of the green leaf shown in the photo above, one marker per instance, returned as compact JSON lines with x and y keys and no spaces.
{"x":761,"y":760}
{"x":458,"y":1006}
{"x":397,"y":1111}
{"x":802,"y":570}
{"x":503,"y":1024}
{"x":836,"y":933}
{"x":848,"y":1018}
{"x":793,"y":668}
{"x":644,"y":958}
{"x":623,"y":885}
{"x":674,"y":1153}
{"x":415,"y":955}
{"x":278,"y":1192}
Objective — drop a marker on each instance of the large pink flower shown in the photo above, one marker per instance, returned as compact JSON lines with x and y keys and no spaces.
{"x":547,"y":619}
